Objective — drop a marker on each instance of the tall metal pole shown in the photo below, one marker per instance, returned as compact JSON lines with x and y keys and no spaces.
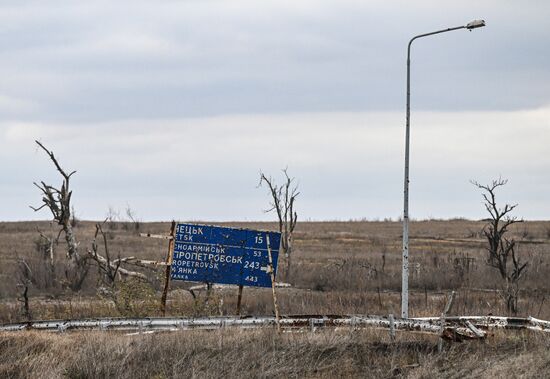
{"x":405,"y":270}
{"x":272,"y":273}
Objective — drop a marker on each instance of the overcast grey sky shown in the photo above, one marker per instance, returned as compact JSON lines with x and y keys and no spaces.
{"x":173,"y":107}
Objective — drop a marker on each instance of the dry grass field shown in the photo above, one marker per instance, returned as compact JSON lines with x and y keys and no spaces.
{"x":338,"y":268}
{"x":265,"y":354}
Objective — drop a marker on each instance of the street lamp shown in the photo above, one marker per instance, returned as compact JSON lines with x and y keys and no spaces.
{"x":405,"y":273}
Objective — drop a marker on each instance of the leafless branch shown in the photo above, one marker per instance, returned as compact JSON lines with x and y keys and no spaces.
{"x":58,"y":201}
{"x":282,"y":202}
{"x":110,"y":268}
{"x":501,"y":250}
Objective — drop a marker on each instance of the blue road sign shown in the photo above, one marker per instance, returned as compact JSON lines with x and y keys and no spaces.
{"x":215,"y":254}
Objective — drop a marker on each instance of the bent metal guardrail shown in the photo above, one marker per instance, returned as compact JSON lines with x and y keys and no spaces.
{"x":454,"y":327}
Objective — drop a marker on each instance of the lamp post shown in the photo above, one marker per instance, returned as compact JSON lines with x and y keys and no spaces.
{"x":405,"y":272}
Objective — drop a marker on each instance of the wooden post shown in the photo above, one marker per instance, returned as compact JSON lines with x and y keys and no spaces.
{"x":168,"y":269}
{"x":392,"y":327}
{"x":442,"y":320}
{"x":541,"y":304}
{"x":272,"y":272}
{"x":425,"y":297}
{"x":239,"y":298}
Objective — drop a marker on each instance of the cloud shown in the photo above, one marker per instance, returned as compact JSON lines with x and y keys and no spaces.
{"x":14,"y":106}
{"x":104,"y":61}
{"x":349,"y":164}
{"x":175,"y":106}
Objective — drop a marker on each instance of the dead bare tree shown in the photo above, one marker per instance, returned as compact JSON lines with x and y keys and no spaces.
{"x":133,"y":220}
{"x":108,"y":270}
{"x":25,"y":278}
{"x":282,"y":202}
{"x":501,"y":250}
{"x":45,"y":246}
{"x":58,"y":201}
{"x":115,"y":281}
{"x":111,"y":268}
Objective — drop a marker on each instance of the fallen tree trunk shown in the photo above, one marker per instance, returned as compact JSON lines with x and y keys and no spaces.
{"x":104,"y":262}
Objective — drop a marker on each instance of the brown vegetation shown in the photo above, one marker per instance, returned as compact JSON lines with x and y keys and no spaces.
{"x":338,"y":268}
{"x":265,"y":354}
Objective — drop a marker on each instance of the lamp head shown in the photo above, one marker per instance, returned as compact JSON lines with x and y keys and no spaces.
{"x":475,"y":24}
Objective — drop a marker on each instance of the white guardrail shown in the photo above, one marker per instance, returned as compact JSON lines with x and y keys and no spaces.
{"x":454,"y":327}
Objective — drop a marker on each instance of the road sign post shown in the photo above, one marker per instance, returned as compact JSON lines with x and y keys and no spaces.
{"x":168,"y":269}
{"x":239,"y":299}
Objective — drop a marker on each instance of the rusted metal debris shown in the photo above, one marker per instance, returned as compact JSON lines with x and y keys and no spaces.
{"x":159,"y":236}
{"x":456,"y":328}
{"x":489,"y":322}
{"x":204,"y":287}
